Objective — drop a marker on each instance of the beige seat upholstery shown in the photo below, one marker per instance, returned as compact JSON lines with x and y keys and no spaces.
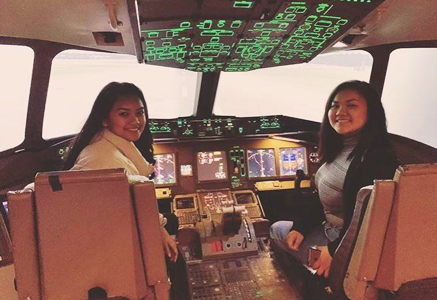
{"x":396,"y":245}
{"x":85,"y":229}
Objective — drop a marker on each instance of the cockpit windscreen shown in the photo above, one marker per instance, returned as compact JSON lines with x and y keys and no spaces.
{"x":165,"y":171}
{"x":212,"y":166}
{"x":261,"y":162}
{"x":291,"y":160}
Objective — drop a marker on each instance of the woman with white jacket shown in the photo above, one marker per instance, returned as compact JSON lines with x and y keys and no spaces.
{"x":117,"y":135}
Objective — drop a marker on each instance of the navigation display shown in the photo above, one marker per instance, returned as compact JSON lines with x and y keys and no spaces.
{"x":165,"y":171}
{"x":212,"y":166}
{"x":291,"y":160}
{"x":261,"y":162}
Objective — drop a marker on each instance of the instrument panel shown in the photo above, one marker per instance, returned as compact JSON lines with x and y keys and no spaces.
{"x":186,"y":128}
{"x":214,"y":201}
{"x":254,"y":150}
{"x":188,"y":166}
{"x":190,"y":208}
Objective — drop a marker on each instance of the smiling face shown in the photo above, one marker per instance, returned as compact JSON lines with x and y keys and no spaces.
{"x":348,"y":112}
{"x":127,"y":118}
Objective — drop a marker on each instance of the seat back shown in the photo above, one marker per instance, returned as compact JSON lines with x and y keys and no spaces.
{"x":395,"y":245}
{"x":85,"y":229}
{"x":341,"y":259}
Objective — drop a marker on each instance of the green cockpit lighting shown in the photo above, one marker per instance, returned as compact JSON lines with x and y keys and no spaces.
{"x":217,"y":35}
{"x":243,"y":4}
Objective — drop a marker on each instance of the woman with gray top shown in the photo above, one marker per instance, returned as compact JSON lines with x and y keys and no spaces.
{"x":354,"y":150}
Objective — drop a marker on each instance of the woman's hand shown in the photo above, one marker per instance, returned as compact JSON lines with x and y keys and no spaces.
{"x":294,"y":238}
{"x":170,"y":247}
{"x":323,"y":264}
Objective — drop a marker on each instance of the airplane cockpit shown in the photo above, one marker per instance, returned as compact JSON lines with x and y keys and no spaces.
{"x":235,"y":91}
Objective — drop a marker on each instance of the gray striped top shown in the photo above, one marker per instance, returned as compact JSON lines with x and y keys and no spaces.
{"x":330,"y":180}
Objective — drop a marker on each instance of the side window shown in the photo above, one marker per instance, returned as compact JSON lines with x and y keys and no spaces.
{"x":15,"y":76}
{"x":410,"y":93}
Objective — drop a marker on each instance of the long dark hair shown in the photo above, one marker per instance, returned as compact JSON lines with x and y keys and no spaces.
{"x":373,"y":134}
{"x":100,"y":112}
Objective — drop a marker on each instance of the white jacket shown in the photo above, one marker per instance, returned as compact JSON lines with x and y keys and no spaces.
{"x":110,"y":151}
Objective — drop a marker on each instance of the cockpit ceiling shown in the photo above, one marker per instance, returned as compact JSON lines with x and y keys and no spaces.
{"x":243,"y":35}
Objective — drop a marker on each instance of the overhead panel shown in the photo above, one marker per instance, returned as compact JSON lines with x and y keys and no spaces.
{"x":236,"y":35}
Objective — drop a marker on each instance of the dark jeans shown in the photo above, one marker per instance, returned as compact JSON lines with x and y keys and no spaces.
{"x":172,"y":225}
{"x":176,"y":271}
{"x":310,"y":286}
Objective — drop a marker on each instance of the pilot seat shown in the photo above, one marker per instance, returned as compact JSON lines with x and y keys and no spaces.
{"x":390,"y":254}
{"x":87,"y":235}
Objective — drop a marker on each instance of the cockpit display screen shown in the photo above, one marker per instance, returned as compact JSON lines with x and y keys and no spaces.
{"x":212,"y":166}
{"x":261,"y":163}
{"x":183,"y":203}
{"x":165,"y":171}
{"x":291,"y":160}
{"x":244,"y":198}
